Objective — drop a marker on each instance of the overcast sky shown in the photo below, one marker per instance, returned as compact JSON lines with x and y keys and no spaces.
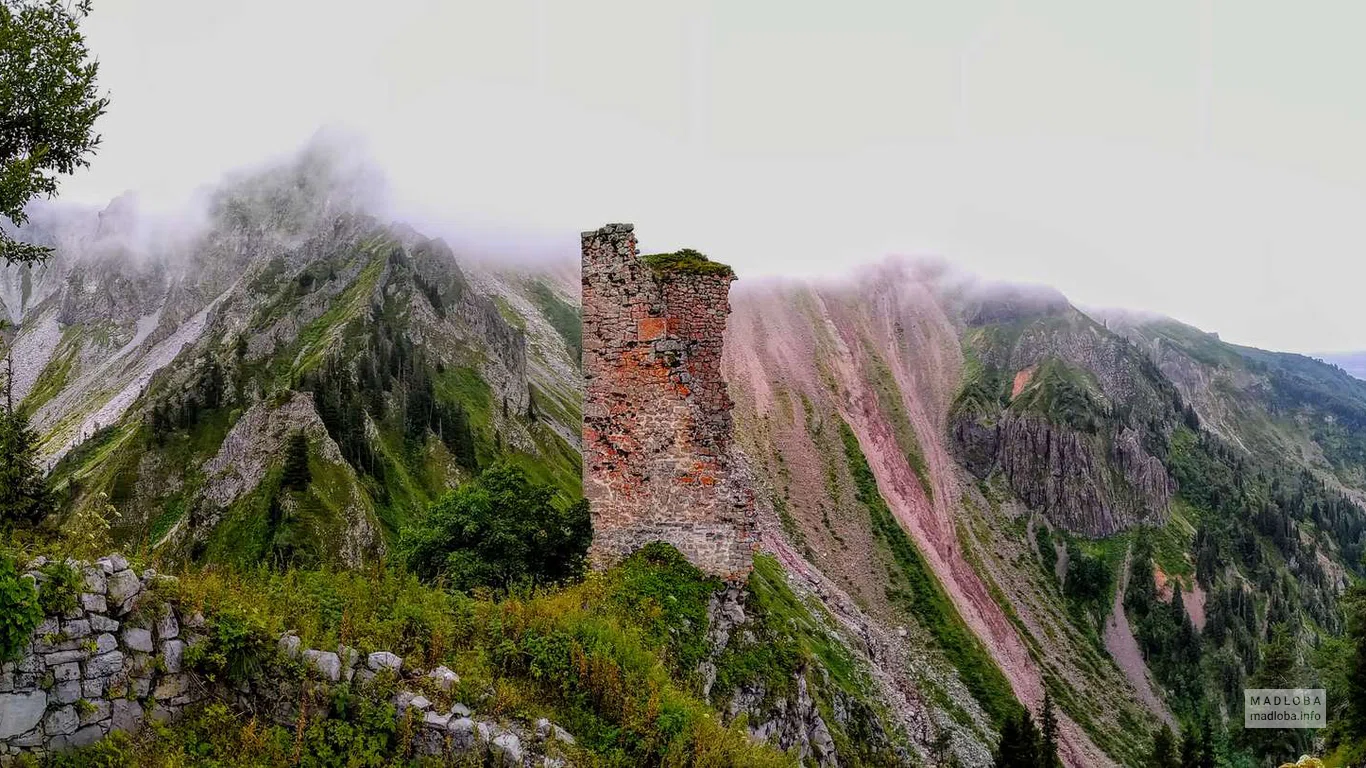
{"x":1202,"y":159}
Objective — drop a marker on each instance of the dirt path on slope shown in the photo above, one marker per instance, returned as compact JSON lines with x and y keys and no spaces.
{"x":1123,"y":648}
{"x":932,"y":528}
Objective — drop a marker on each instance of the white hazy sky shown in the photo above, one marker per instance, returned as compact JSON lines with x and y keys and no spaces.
{"x":1197,"y":158}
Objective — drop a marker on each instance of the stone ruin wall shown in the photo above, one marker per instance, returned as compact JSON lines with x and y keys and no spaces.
{"x":657,"y":429}
{"x":120,"y":657}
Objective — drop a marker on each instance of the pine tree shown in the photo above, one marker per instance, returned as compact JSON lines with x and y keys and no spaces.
{"x":1207,"y":752}
{"x":296,"y":473}
{"x":1019,"y":746}
{"x":1048,"y":746}
{"x":1190,"y":748}
{"x":24,"y":496}
{"x":1164,"y":750}
{"x":1356,"y":680}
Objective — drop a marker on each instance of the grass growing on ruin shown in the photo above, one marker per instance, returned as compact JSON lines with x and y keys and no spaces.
{"x":923,"y":596}
{"x":685,"y":262}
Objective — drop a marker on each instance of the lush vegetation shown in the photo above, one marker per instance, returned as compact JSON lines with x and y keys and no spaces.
{"x":1064,"y":395}
{"x":24,"y":496}
{"x":49,"y":102}
{"x":685,"y":262}
{"x":500,"y":531}
{"x":612,"y":659}
{"x":1261,"y":532}
{"x":19,"y":610}
{"x":1165,"y":632}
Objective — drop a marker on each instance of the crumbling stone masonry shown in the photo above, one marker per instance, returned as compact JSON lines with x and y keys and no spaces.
{"x":121,"y":656}
{"x":657,"y":430}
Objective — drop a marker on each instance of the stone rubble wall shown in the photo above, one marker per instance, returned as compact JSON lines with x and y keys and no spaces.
{"x":657,"y":433}
{"x":118,"y":659}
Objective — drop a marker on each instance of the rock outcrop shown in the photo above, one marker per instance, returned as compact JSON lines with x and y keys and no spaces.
{"x":1076,"y":479}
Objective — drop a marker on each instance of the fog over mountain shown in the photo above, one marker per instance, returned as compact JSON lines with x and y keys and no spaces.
{"x":1044,"y":144}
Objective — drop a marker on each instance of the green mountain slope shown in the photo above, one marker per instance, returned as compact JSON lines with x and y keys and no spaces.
{"x":289,"y":312}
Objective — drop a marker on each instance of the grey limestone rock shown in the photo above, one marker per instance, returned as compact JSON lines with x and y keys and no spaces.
{"x":326,"y":663}
{"x":506,"y":749}
{"x":61,"y":721}
{"x":443,"y":678}
{"x":126,"y":716}
{"x":384,"y":660}
{"x":124,"y":588}
{"x":167,"y":627}
{"x":95,"y":711}
{"x":21,"y":712}
{"x":289,"y":646}
{"x":138,"y":639}
{"x":104,"y":665}
{"x":172,"y":655}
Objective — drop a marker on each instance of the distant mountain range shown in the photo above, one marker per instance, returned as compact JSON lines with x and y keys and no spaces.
{"x":1351,"y":362}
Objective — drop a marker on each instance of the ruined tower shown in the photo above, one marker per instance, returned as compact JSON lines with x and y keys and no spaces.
{"x":657,"y":431}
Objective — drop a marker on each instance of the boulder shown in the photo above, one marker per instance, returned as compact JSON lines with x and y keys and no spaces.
{"x":444,"y":679}
{"x":94,"y":580}
{"x":96,"y":711}
{"x":93,"y":687}
{"x":326,"y":663}
{"x":171,"y":687}
{"x":506,"y":749}
{"x":67,"y":692}
{"x":289,"y":646}
{"x":66,"y":672}
{"x":461,"y":730}
{"x":100,"y":623}
{"x":92,"y":603}
{"x":82,"y":738}
{"x":384,"y":660}
{"x":172,"y":655}
{"x":167,"y":626}
{"x":104,"y":665}
{"x":76,"y":629}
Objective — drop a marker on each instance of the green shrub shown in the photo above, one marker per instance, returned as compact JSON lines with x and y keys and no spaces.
{"x":1048,"y":554}
{"x":500,"y":531}
{"x":1088,"y":577}
{"x":60,"y":593}
{"x":657,"y":589}
{"x":20,"y":613}
{"x":237,"y":647}
{"x":685,"y":262}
